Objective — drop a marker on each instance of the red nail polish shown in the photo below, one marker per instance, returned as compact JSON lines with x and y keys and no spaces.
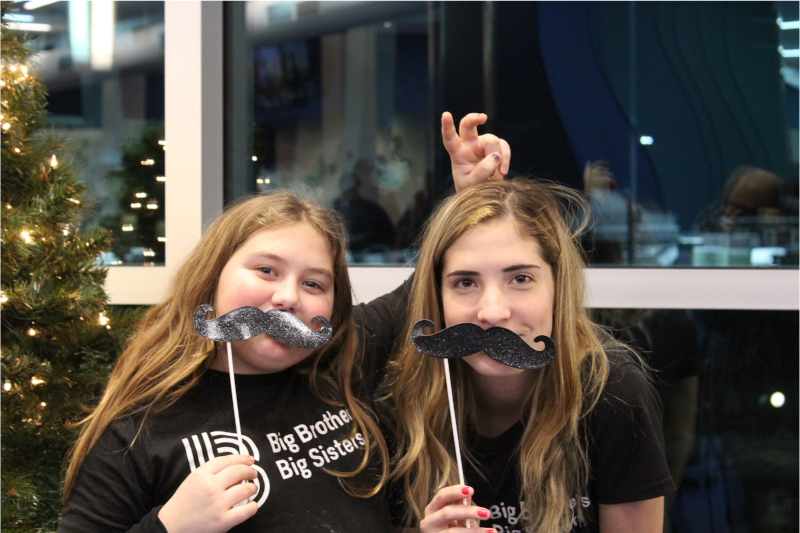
{"x":483,"y":513}
{"x":465,"y":491}
{"x":491,"y":531}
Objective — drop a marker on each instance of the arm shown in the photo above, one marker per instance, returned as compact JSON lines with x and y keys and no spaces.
{"x":111,"y":491}
{"x":680,"y":416}
{"x":626,"y":449}
{"x":645,"y":516}
{"x":115,"y":491}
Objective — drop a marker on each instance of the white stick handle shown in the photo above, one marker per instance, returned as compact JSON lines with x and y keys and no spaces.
{"x":242,"y":449}
{"x":455,"y":427}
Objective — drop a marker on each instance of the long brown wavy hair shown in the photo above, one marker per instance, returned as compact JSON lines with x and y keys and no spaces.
{"x":552,"y":457}
{"x":166,"y":357}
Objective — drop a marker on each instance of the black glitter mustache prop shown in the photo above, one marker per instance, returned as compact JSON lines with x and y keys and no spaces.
{"x":460,"y":340}
{"x":500,"y":344}
{"x":246,"y":322}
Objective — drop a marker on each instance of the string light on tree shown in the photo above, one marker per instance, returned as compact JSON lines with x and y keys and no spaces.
{"x":35,"y":380}
{"x":54,"y":161}
{"x":7,"y":386}
{"x":26,"y":237}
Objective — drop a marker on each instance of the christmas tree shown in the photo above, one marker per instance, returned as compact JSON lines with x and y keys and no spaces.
{"x":59,"y":338}
{"x":140,"y":215}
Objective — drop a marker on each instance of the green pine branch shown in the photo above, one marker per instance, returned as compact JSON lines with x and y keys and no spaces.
{"x":59,"y":337}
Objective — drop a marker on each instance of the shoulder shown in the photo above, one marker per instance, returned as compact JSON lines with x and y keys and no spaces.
{"x":628,"y":404}
{"x":628,"y":380}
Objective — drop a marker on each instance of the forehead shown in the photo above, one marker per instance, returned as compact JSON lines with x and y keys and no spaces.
{"x":493,"y":242}
{"x":298,"y":241}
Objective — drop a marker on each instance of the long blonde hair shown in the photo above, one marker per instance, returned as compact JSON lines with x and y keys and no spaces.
{"x":167,"y":357}
{"x":552,"y":458}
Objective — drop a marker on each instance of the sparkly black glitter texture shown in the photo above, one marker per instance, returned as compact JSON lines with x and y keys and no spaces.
{"x":500,"y":344}
{"x":246,"y":322}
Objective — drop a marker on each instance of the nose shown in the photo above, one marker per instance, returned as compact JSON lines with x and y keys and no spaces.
{"x":285,"y":295}
{"x":493,"y":307}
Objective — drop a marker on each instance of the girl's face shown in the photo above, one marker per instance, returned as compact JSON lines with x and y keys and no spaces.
{"x":494,"y":277}
{"x":288,"y":268}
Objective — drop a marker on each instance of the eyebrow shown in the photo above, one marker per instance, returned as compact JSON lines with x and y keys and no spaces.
{"x":512,"y":268}
{"x":274,"y":257}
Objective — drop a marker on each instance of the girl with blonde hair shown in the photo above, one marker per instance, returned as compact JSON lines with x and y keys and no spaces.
{"x":159,"y":452}
{"x":574,"y":446}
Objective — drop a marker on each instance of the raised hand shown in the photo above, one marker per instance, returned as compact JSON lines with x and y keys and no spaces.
{"x":204,"y":502}
{"x":474,"y":158}
{"x":442,"y":517}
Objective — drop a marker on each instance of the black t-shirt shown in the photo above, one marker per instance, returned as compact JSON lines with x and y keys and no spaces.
{"x":625,"y":448}
{"x":291,"y":433}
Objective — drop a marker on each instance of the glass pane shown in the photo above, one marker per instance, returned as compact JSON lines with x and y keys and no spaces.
{"x":103,"y":65}
{"x":339,"y":100}
{"x":677,"y":119}
{"x":729,"y":390}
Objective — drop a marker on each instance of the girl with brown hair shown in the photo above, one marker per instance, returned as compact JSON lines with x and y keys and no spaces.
{"x":574,"y":446}
{"x":159,"y":454}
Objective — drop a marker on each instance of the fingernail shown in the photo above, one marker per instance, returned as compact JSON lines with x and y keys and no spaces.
{"x":483,"y":513}
{"x":491,"y":531}
{"x":465,"y":491}
{"x":252,"y":459}
{"x":504,"y":170}
{"x":496,"y":156}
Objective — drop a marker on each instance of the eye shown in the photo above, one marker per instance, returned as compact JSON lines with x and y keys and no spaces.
{"x":266,"y":270}
{"x":522,"y":278}
{"x":464,"y":283}
{"x":313,"y":285}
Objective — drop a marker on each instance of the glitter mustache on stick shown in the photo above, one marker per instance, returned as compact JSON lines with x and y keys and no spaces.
{"x":465,"y":339}
{"x":247,"y":322}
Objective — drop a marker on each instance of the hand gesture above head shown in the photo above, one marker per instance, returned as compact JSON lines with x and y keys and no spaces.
{"x":474,"y":158}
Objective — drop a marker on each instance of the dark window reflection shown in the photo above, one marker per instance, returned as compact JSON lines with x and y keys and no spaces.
{"x":729,"y":388}
{"x":340,"y":110}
